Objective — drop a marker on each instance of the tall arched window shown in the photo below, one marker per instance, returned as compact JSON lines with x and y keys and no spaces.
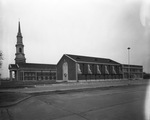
{"x":79,"y":69}
{"x":65,"y":71}
{"x":20,"y":50}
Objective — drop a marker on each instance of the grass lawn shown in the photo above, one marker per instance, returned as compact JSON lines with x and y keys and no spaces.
{"x":7,"y":98}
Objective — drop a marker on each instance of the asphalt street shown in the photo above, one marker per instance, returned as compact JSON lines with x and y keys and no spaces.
{"x":120,"y":103}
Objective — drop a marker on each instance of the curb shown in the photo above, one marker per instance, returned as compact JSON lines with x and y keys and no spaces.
{"x":64,"y":91}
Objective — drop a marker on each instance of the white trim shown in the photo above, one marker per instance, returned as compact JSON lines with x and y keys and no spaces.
{"x":70,"y":57}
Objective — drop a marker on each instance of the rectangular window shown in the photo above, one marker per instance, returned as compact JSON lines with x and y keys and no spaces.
{"x":89,"y":69}
{"x":78,"y":68}
{"x":120,"y":71}
{"x":106,"y":70}
{"x":113,"y":70}
{"x":98,"y":70}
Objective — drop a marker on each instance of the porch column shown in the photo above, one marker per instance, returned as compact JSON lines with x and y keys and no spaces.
{"x":36,"y":76}
{"x":10,"y":74}
{"x":23,"y":75}
{"x":16,"y":75}
{"x":77,"y":72}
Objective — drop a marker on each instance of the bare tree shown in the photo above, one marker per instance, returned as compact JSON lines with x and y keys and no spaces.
{"x":1,"y":58}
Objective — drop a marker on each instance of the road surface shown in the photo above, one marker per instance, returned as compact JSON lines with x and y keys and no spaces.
{"x":120,"y":103}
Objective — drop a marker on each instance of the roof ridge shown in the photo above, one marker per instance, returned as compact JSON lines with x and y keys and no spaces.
{"x":88,"y":56}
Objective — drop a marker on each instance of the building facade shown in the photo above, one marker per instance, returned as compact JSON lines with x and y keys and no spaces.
{"x":32,"y":71}
{"x":132,"y":71}
{"x":75,"y":67}
{"x":70,"y":67}
{"x":29,"y":71}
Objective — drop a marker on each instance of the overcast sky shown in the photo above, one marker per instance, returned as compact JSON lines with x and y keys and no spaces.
{"x":98,"y":28}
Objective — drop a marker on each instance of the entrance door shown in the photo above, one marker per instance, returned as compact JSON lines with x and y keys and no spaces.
{"x":65,"y":71}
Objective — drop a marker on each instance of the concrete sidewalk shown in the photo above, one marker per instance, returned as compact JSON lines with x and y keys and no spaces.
{"x":75,"y":86}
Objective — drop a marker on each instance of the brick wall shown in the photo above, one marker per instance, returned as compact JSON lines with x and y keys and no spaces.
{"x":71,"y":68}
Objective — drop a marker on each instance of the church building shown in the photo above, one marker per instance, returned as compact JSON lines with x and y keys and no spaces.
{"x":70,"y":68}
{"x":75,"y":67}
{"x":29,"y":71}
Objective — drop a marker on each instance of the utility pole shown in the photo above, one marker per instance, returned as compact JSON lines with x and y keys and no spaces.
{"x":129,"y":61}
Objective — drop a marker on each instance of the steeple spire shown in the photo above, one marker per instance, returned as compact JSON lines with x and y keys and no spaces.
{"x":20,"y":56}
{"x":19,"y":30}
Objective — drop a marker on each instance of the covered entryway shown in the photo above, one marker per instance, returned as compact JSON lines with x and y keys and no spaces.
{"x":13,"y":72}
{"x":65,"y":71}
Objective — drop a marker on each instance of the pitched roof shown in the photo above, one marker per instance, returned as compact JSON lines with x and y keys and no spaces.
{"x":88,"y":59}
{"x":34,"y":65}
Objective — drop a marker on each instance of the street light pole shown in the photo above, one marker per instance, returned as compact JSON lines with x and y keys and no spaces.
{"x":129,"y":61}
